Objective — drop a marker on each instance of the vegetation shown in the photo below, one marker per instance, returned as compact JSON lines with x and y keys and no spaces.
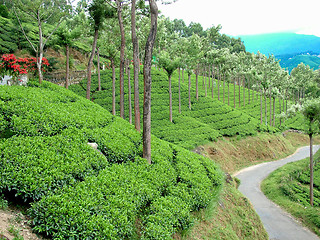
{"x":48,"y":123}
{"x":289,"y":188}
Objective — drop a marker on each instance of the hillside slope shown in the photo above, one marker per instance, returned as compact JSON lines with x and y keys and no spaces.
{"x":77,"y":192}
{"x":206,"y":121}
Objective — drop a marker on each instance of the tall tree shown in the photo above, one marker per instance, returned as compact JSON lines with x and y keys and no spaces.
{"x":147,"y":81}
{"x":311,"y":111}
{"x":98,"y":11}
{"x":170,"y":63}
{"x":41,"y":12}
{"x":136,"y":65}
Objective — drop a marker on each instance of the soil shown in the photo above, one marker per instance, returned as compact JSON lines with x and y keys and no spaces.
{"x":14,"y":225}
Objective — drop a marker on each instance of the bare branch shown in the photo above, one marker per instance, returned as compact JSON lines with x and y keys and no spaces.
{"x":60,"y":21}
{"x":24,"y":33}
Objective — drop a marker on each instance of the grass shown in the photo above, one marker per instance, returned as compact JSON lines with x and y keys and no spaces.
{"x":288,"y":187}
{"x":233,"y":154}
{"x":233,"y":218}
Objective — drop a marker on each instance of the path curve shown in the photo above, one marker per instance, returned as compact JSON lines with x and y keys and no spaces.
{"x":278,"y":223}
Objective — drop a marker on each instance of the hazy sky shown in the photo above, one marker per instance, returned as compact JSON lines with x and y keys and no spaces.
{"x":241,"y":17}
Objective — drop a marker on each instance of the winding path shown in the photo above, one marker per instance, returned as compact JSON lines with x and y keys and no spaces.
{"x":278,"y":223}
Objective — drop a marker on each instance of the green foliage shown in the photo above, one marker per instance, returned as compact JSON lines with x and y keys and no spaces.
{"x":3,"y":203}
{"x":8,"y":38}
{"x":78,"y":192}
{"x":289,"y":187}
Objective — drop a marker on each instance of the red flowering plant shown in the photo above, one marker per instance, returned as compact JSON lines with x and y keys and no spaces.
{"x":10,"y":65}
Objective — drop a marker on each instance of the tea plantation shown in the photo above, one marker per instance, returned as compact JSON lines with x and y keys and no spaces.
{"x":76,"y":192}
{"x":207,"y":120}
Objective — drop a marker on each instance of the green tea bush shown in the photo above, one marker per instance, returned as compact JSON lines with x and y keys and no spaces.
{"x":77,"y":192}
{"x":32,"y":167}
{"x":161,"y":196}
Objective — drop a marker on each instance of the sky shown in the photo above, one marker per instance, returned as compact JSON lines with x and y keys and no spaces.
{"x":245,"y":17}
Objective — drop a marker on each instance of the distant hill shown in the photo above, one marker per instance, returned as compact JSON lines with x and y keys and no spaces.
{"x":290,"y":61}
{"x":290,"y":48}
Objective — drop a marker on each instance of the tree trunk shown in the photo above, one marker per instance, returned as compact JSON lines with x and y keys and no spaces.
{"x":270,"y":106}
{"x":311,"y":170}
{"x":147,"y":81}
{"x":179,"y":91}
{"x":205,"y":81}
{"x":94,"y":45}
{"x":244,"y":91}
{"x":182,"y":75}
{"x":189,"y":91}
{"x":113,"y":87}
{"x":219,"y":78}
{"x":122,"y":61}
{"x":274,"y":109}
{"x":249,"y":91}
{"x":197,"y":91}
{"x":67,"y":67}
{"x":234,"y":93}
{"x":212,"y":84}
{"x":224,"y":85}
{"x":41,"y":46}
{"x":261,"y":117}
{"x":129,"y":93}
{"x":136,"y":66}
{"x":239,"y":81}
{"x":228,"y":93}
{"x":265,"y":109}
{"x":99,"y":76}
{"x":203,"y":76}
{"x":280,"y":111}
{"x":170,"y":100}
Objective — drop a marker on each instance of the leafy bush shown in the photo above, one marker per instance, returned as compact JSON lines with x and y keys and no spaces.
{"x":77,"y":192}
{"x":32,"y":167}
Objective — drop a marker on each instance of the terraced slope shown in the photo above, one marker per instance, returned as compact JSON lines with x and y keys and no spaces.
{"x":206,"y":121}
{"x":76,"y":192}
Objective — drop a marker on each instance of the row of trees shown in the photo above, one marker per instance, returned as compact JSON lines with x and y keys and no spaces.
{"x":114,"y":28}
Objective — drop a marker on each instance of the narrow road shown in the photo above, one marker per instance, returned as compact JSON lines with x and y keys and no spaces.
{"x":278,"y":223}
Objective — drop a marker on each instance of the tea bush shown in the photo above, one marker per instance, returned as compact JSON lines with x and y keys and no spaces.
{"x":77,"y":192}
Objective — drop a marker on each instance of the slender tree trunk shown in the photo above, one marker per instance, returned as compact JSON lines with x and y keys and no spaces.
{"x":189,"y":91}
{"x":265,"y":109}
{"x":203,"y":76}
{"x":99,"y":76}
{"x":209,"y":77}
{"x":147,"y":81}
{"x":113,"y":86}
{"x":67,"y":67}
{"x":270,"y":106}
{"x":244,"y":91}
{"x":249,"y":90}
{"x":94,"y":45}
{"x":239,"y":81}
{"x":311,"y":169}
{"x":136,"y":65}
{"x":274,"y":109}
{"x":205,"y":81}
{"x":224,"y":86}
{"x":179,"y":91}
{"x":197,"y":90}
{"x":234,"y":93}
{"x":182,"y":75}
{"x":219,"y":78}
{"x":228,"y":93}
{"x":122,"y":60}
{"x":170,"y":100}
{"x":261,"y":117}
{"x":280,"y":111}
{"x":129,"y":93}
{"x":212,"y":84}
{"x":41,"y":46}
